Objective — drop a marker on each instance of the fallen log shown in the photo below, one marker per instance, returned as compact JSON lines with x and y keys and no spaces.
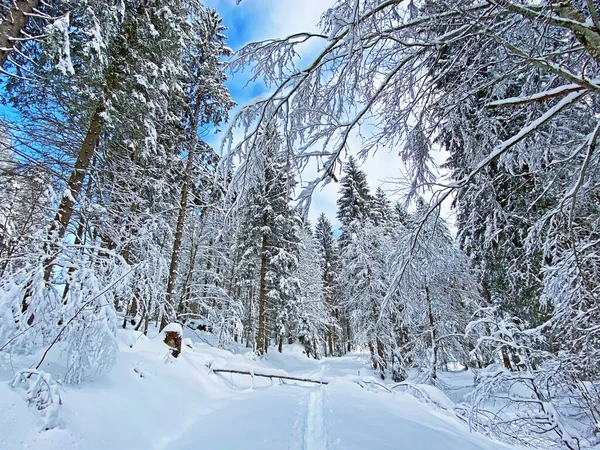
{"x":266,"y":375}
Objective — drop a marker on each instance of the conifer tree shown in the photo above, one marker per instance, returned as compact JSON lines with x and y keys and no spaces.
{"x":209,"y":102}
{"x":355,"y":211}
{"x":356,"y":201}
{"x":381,"y":208}
{"x":310,"y":314}
{"x":329,"y":258}
{"x":270,"y":240}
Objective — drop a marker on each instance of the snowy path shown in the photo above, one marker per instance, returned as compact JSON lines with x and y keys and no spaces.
{"x":339,"y":417}
{"x":314,"y":433}
{"x":147,"y":404}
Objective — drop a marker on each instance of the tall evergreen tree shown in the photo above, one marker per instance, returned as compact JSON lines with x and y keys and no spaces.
{"x":355,"y":211}
{"x":381,"y":208}
{"x":309,"y":315}
{"x":270,"y":241}
{"x":209,"y":102}
{"x":329,"y":257}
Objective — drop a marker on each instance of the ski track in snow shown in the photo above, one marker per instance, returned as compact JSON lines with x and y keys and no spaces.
{"x":314,"y":432}
{"x":145,"y":403}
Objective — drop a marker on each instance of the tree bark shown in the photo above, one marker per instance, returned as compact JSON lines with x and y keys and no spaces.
{"x":13,"y":24}
{"x":348,"y":334}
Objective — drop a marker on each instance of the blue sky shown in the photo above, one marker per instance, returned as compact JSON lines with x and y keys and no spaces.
{"x":253,"y":20}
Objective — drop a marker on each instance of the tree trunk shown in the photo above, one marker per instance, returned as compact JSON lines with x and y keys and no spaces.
{"x":506,"y":358}
{"x":250,"y":331}
{"x":261,"y":340}
{"x":170,"y":304}
{"x":67,"y":203}
{"x":78,"y":240}
{"x":265,"y":375}
{"x":382,"y":359}
{"x":13,"y":24}
{"x":434,"y":346}
{"x":373,"y":358}
{"x":349,"y":336}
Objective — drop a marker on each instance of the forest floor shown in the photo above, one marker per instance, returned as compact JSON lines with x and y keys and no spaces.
{"x":150,"y":401}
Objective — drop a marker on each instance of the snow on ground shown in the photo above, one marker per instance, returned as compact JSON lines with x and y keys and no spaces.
{"x":150,"y":401}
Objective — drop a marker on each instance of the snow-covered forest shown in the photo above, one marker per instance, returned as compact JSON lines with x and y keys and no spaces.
{"x":123,"y":220}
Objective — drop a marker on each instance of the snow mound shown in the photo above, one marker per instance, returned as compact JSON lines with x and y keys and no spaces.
{"x":174,"y":328}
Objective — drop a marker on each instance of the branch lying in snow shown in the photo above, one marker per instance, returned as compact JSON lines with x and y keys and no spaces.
{"x":265,"y":375}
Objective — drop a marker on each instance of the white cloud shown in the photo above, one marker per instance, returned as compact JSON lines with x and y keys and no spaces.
{"x":273,"y":18}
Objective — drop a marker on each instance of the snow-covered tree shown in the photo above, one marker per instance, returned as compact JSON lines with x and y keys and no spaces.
{"x":269,"y":241}
{"x":363,"y":261}
{"x":355,"y":202}
{"x":209,"y":102}
{"x":434,"y":293}
{"x":309,"y":315}
{"x":329,"y":257}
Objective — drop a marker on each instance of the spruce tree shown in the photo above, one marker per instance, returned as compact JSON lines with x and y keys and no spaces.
{"x":355,"y":210}
{"x":329,"y":258}
{"x":309,"y":313}
{"x":356,"y":201}
{"x":270,"y":244}
{"x":381,"y":208}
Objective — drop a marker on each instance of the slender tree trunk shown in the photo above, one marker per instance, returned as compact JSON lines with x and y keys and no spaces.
{"x":78,"y":240}
{"x":187,"y":288}
{"x":250,"y":331}
{"x":74,"y":185}
{"x":146,"y":322}
{"x":373,"y":358}
{"x":130,"y":312}
{"x":506,"y":358}
{"x":170,"y":303}
{"x":261,"y":338}
{"x":434,"y":346}
{"x":13,"y":24}
{"x":382,"y":359}
{"x":143,"y":317}
{"x":348,"y":334}
{"x":125,"y":315}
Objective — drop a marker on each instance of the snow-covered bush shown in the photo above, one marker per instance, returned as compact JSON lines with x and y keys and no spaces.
{"x":41,"y":392}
